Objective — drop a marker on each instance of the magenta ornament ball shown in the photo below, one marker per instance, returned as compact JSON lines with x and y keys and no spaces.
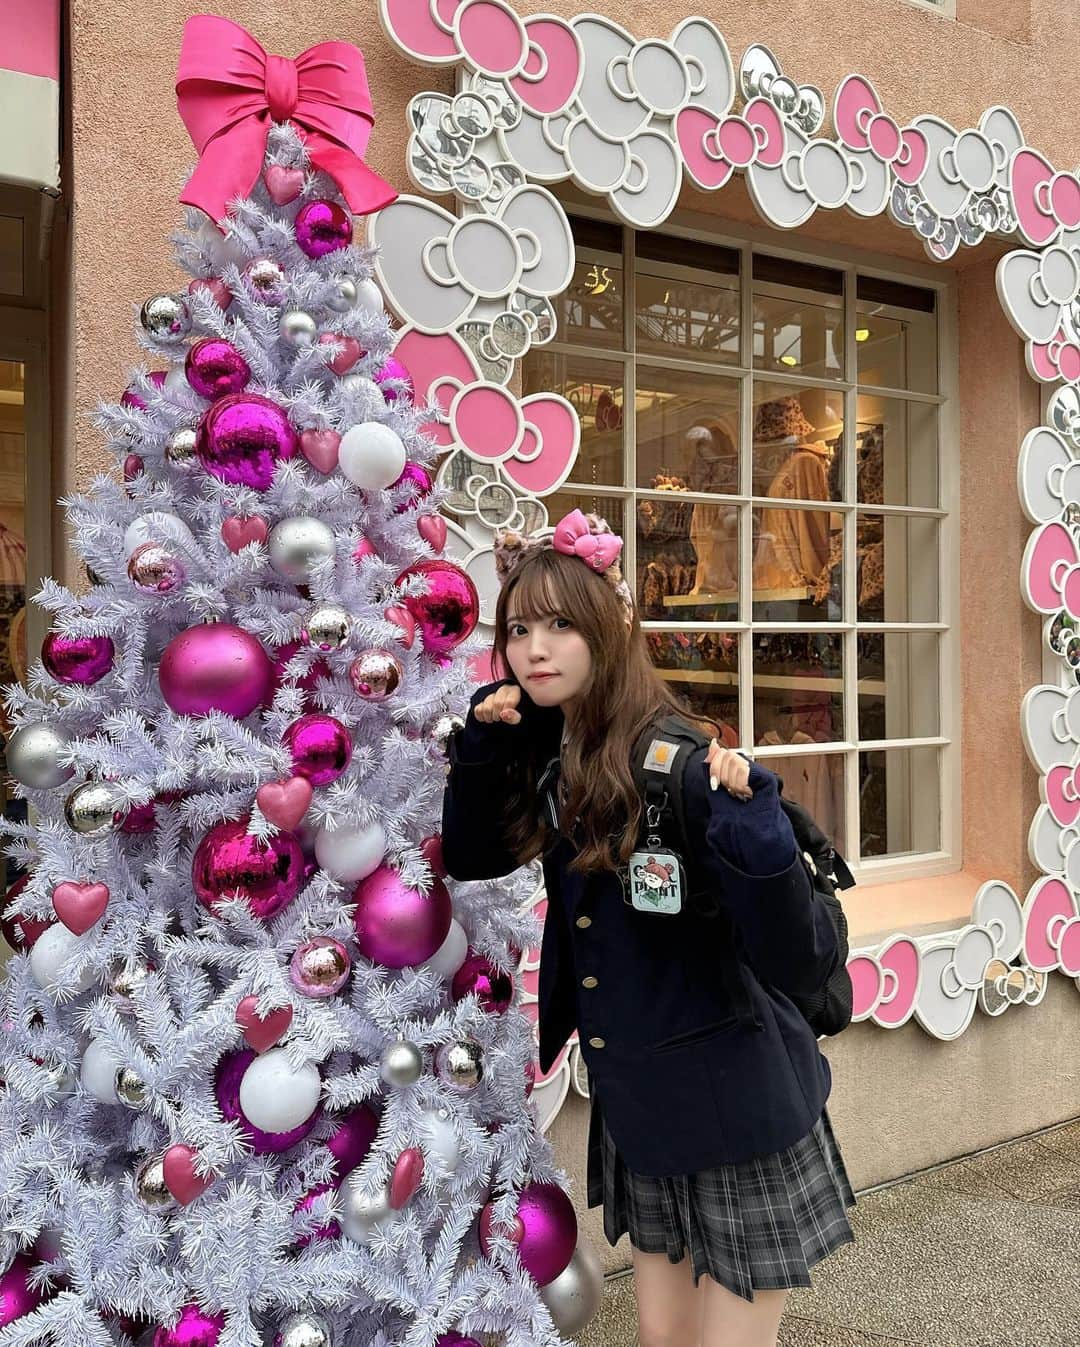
{"x":17,"y":1296}
{"x":449,"y":611}
{"x":351,"y":1140}
{"x":394,"y":370}
{"x":330,"y":1231}
{"x":227,"y":1078}
{"x":320,"y":967}
{"x":229,"y":862}
{"x":322,"y":227}
{"x":453,"y":1339}
{"x":419,"y":479}
{"x":194,"y":1328}
{"x":550,"y":1225}
{"x":77,"y":659}
{"x":215,"y":368}
{"x":241,"y":438}
{"x":321,"y":748}
{"x":493,"y":988}
{"x":215,"y":667}
{"x":397,"y":926}
{"x":130,"y":398}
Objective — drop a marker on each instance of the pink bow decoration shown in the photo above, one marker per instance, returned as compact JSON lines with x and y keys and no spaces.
{"x":229,"y":90}
{"x":714,"y":147}
{"x":862,"y":124}
{"x":1051,"y":570}
{"x":1058,"y":358}
{"x":598,"y":550}
{"x":1044,"y":201}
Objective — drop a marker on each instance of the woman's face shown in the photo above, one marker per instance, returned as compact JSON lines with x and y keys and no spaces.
{"x":549,"y":658}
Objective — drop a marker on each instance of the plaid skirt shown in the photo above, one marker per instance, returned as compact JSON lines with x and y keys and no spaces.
{"x":756,"y":1226}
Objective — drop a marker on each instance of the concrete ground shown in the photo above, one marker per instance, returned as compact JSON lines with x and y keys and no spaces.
{"x":983,"y":1252}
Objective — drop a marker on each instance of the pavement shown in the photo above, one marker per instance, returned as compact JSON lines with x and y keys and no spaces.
{"x":982,"y":1252}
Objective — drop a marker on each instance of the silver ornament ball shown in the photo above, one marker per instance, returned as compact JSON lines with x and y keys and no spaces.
{"x":125,"y":983}
{"x":130,"y":1087}
{"x":574,"y":1297}
{"x":94,"y":808}
{"x":180,"y":447}
{"x":376,"y":675}
{"x":444,"y":728}
{"x":298,"y":329}
{"x":265,"y":281}
{"x":304,"y":1328}
{"x":166,"y":318}
{"x":328,"y":626}
{"x":362,"y":1211}
{"x":402,"y":1063}
{"x":461,"y":1064}
{"x":61,"y":1082}
{"x":33,"y":756}
{"x":151,"y":1188}
{"x":296,"y":544}
{"x":342,"y":294}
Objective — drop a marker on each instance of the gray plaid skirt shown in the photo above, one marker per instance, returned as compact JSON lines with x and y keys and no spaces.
{"x":757,"y":1226}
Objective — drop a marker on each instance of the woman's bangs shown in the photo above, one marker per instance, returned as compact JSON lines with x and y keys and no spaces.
{"x":536,"y":595}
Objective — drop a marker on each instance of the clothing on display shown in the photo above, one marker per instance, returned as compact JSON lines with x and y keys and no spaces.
{"x":813,"y":780}
{"x":793,"y":547}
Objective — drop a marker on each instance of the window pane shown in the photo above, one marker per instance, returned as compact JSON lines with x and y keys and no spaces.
{"x":591,"y":308}
{"x":896,"y":349}
{"x":899,"y":801}
{"x":798,"y":441}
{"x":702,"y":669}
{"x":798,"y":317}
{"x":686,"y":298}
{"x":798,"y":556}
{"x":896,"y":447}
{"x":816,"y":781}
{"x":687,"y":559}
{"x":595,"y":389}
{"x":11,"y":255}
{"x":611,"y":508}
{"x":798,"y":688}
{"x":897,"y":560}
{"x":687,"y":431}
{"x":898,"y":685}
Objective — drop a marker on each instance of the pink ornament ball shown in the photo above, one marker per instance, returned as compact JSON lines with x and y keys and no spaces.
{"x":322,"y":227}
{"x":351,"y":1140}
{"x":419,"y":479}
{"x":397,"y":926}
{"x":77,"y":659}
{"x":530,"y":1077}
{"x":133,"y":467}
{"x":227,"y":1078}
{"x":194,"y":1328}
{"x":320,"y":967}
{"x":129,"y":398}
{"x":329,"y":1231}
{"x":229,"y":863}
{"x":549,"y":1231}
{"x":393,"y":371}
{"x":215,"y":368}
{"x":309,"y":682}
{"x":21,"y":932}
{"x":215,"y":667}
{"x":493,"y":989}
{"x":320,"y":746}
{"x":242,"y":437}
{"x":455,"y":1340}
{"x":449,"y":611}
{"x":17,"y":1296}
{"x":363,"y":549}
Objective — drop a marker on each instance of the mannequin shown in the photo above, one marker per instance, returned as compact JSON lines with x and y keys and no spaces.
{"x":714,"y":529}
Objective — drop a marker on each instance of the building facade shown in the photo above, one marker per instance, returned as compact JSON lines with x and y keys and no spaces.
{"x":788,"y":293}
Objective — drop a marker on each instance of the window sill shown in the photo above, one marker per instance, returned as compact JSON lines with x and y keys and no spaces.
{"x":914,"y":906}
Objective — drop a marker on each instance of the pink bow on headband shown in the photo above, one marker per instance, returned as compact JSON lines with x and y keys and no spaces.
{"x":229,"y":91}
{"x":572,"y":536}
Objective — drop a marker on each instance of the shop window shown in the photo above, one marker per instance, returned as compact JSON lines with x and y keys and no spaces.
{"x":764,"y":432}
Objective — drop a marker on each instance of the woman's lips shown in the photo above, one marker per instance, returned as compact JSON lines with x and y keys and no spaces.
{"x":541,"y":678}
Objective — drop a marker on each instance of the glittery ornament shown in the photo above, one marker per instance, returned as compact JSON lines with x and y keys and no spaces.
{"x":77,"y":659}
{"x":479,"y":977}
{"x":265,"y":281}
{"x":376,"y":675}
{"x":327,"y":627}
{"x":215,"y":368}
{"x":397,"y":925}
{"x":166,"y":318}
{"x":33,"y":756}
{"x":449,"y":611}
{"x":401,"y":1063}
{"x":322,"y":227}
{"x":230,"y":863}
{"x":227,"y":1079}
{"x":195,"y":1328}
{"x":460,"y":1064}
{"x":130,"y":1087}
{"x":298,"y":329}
{"x":320,"y":747}
{"x":151,"y":1188}
{"x":215,"y":666}
{"x":297,"y":544}
{"x":420,"y":484}
{"x":242,"y":438}
{"x":320,"y":967}
{"x":304,"y":1328}
{"x":94,"y":808}
{"x":180,"y":447}
{"x":392,"y":373}
{"x":154,"y":569}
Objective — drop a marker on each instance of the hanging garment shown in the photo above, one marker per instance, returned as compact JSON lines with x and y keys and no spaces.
{"x":814,"y":781}
{"x":714,"y":534}
{"x":793,"y":548}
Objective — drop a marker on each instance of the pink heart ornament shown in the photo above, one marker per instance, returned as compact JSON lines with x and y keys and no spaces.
{"x":80,"y":906}
{"x":217,"y":287}
{"x":181,"y":1177}
{"x":432,"y":528}
{"x":349,"y":353}
{"x":284,"y":803}
{"x":320,"y":448}
{"x":237,"y":532}
{"x":283,"y":184}
{"x":431,"y":850}
{"x":402,"y":618}
{"x":407,"y":1177}
{"x":260,"y":1033}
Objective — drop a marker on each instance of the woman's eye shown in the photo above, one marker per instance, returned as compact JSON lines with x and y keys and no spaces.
{"x":565,"y":620}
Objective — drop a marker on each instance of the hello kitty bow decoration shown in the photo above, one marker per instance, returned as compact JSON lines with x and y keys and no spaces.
{"x":585,"y":536}
{"x":862,"y":124}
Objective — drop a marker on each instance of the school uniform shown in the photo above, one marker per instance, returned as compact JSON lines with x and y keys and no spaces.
{"x":708,"y":1132}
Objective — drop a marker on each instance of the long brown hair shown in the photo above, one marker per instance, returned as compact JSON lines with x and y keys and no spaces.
{"x":623,"y":695}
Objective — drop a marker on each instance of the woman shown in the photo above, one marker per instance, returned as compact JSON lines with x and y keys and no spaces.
{"x":709,"y":1143}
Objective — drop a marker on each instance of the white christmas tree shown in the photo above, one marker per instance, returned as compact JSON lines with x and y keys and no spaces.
{"x":265,"y":1080}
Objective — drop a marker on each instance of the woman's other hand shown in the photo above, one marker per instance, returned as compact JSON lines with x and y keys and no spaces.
{"x":728,"y":768}
{"x":500,"y":707}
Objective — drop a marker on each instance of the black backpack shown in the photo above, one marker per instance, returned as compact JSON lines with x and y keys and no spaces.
{"x":828,"y":1010}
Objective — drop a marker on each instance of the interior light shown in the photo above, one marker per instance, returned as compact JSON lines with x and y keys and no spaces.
{"x":862,"y":334}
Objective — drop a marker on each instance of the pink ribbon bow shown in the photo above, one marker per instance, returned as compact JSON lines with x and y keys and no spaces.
{"x":598,"y":550}
{"x":229,"y":91}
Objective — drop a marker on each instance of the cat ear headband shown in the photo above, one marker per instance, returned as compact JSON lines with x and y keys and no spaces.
{"x":585,"y":536}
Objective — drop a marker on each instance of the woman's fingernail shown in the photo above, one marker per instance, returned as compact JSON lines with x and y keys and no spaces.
{"x":713,"y":782}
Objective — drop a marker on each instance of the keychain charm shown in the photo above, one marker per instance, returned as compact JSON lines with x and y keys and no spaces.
{"x":654,"y":876}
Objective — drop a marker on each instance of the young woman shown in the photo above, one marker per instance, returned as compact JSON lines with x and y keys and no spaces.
{"x":709,"y":1142}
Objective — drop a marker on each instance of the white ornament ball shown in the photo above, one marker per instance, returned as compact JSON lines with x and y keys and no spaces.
{"x":342,"y":294}
{"x":298,"y":329}
{"x":296,"y":544}
{"x":574,"y":1297}
{"x":362,"y":1211}
{"x":157,"y":526}
{"x":351,"y":854}
{"x":51,"y":951}
{"x":276,"y":1096}
{"x":440,"y":1139}
{"x":33,"y":756}
{"x":369,"y":296}
{"x":98,"y":1072}
{"x":371,"y":456}
{"x":450,"y":955}
{"x":180,"y":392}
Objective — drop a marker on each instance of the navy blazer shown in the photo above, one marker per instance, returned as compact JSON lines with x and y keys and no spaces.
{"x":696,"y":1052}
